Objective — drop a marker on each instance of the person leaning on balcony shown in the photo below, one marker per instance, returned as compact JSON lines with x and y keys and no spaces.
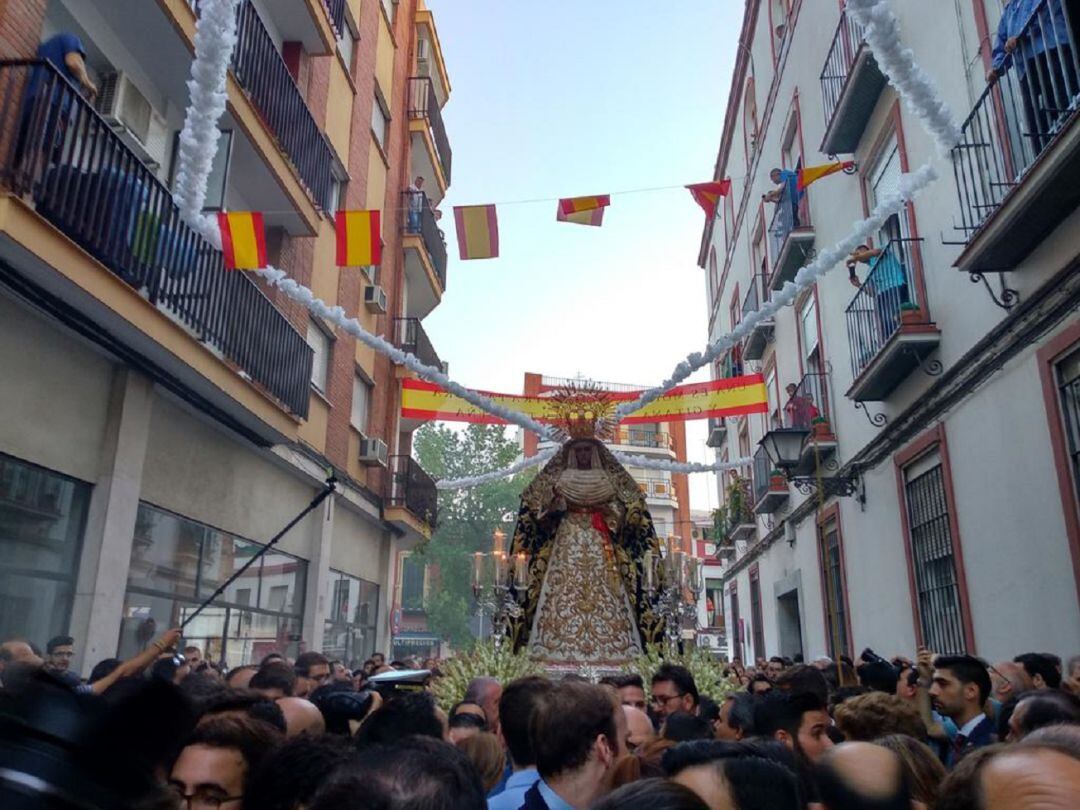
{"x":889,"y":284}
{"x":789,"y":180}
{"x":801,"y":410}
{"x":1045,"y":66}
{"x":416,"y":204}
{"x":67,"y":54}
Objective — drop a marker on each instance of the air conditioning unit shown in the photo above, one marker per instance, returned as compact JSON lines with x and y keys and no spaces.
{"x":372,"y":452}
{"x":133,"y":118}
{"x":375,"y":299}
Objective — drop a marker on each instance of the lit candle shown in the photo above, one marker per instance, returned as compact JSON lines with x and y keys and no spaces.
{"x":501,"y":569}
{"x":693,"y":574}
{"x":521,"y":570}
{"x":680,"y":568}
{"x":649,"y":569}
{"x":498,"y":545}
{"x":478,"y":570}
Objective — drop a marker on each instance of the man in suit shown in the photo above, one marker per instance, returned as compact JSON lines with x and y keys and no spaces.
{"x":578,"y":731}
{"x":959,"y":689}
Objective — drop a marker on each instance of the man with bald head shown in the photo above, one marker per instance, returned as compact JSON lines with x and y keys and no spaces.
{"x":862,"y":776}
{"x":639,"y":728}
{"x":1031,"y":777}
{"x":1008,"y":679}
{"x":485,"y":693}
{"x":301,"y":716}
{"x":16,"y":651}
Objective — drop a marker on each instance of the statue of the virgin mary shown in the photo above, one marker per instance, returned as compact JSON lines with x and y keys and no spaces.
{"x":584,"y":525}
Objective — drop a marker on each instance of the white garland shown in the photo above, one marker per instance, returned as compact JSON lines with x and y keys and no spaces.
{"x":542,"y":457}
{"x":679,"y":466}
{"x":215,"y":39}
{"x":897,"y":62}
{"x":336,"y":315}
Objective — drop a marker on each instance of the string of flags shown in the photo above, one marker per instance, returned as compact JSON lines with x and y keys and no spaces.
{"x":359,"y":241}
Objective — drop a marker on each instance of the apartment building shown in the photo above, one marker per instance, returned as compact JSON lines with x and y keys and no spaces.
{"x":926,"y":402}
{"x":161,"y":418}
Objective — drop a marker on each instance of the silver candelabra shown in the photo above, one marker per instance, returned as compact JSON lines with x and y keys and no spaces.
{"x":673,"y":582}
{"x":500,"y":582}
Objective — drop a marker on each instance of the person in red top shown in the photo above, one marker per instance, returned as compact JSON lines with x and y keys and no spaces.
{"x":800,"y":409}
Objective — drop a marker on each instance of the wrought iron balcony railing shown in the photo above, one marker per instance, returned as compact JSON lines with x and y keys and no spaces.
{"x":717,"y":431}
{"x":409,"y":486}
{"x":643,"y":438}
{"x":1017,"y":117}
{"x":846,"y":43}
{"x":730,"y":365}
{"x":424,"y":104}
{"x":335,"y":9}
{"x":873,"y":316}
{"x":262,"y":72}
{"x":851,"y":84}
{"x":763,"y":467}
{"x":409,"y":336}
{"x":420,"y":219}
{"x":791,"y":212}
{"x":84,"y":180}
{"x":809,"y":403}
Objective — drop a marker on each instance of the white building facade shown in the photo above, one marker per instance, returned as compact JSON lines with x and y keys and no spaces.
{"x":943,"y":382}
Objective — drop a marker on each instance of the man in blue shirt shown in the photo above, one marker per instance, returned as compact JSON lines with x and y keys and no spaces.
{"x":787,"y":183}
{"x":1034,"y":36}
{"x":67,"y":54}
{"x":887,"y":281}
{"x":516,"y":707}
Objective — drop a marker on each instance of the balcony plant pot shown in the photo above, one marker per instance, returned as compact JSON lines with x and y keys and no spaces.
{"x":777,"y":481}
{"x":820,"y":427}
{"x":910,"y":315}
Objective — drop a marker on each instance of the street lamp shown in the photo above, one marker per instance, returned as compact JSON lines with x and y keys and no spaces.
{"x":784,"y":447}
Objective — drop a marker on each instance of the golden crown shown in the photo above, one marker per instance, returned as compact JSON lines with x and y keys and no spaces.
{"x":582,"y":411}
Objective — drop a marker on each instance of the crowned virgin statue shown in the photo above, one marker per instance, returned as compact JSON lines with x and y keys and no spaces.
{"x":584,"y":525}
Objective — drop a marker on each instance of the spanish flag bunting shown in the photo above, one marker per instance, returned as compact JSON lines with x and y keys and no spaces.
{"x":575,"y":205}
{"x":708,"y":195}
{"x":243,"y":239}
{"x":812,"y":174}
{"x":728,"y":397}
{"x":477,"y":231}
{"x":359,"y":240}
{"x":594,"y":217}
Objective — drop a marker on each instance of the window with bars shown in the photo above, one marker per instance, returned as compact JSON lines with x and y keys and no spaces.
{"x":832,"y":574}
{"x":1068,"y":377}
{"x":936,"y":585}
{"x":758,"y":629}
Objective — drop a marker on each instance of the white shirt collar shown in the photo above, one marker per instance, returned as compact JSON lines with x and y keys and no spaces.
{"x":969,"y":726}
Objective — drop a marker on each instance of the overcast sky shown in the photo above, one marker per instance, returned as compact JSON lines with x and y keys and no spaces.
{"x":566,"y":98}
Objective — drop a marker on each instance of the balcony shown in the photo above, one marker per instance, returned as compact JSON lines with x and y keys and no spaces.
{"x":83,"y":179}
{"x":753,"y":346}
{"x":431,"y":155}
{"x":313,"y":23}
{"x":1017,"y":166}
{"x":888,"y":337}
{"x":741,"y":523}
{"x":717,"y":432}
{"x":425,"y":254}
{"x":412,"y":501}
{"x":659,"y":490}
{"x":648,"y":440}
{"x":851,"y":84}
{"x":770,"y":486}
{"x":409,"y":336}
{"x":808,"y":409}
{"x":730,"y":365}
{"x":792,"y":237}
{"x":261,"y":71}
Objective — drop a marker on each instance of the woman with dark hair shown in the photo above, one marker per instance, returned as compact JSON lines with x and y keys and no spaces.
{"x":925,"y":772}
{"x":652,"y":794}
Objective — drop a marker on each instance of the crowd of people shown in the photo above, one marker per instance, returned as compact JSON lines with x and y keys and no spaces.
{"x":168,"y":729}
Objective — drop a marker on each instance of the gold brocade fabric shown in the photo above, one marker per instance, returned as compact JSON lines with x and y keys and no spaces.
{"x":584,"y":614}
{"x":557,"y":494}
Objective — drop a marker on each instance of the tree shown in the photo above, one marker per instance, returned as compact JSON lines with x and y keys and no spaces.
{"x":467,"y":517}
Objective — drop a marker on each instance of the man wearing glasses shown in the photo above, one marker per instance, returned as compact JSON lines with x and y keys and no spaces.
{"x":673,"y":690}
{"x":312,"y":671}
{"x":217,"y":759}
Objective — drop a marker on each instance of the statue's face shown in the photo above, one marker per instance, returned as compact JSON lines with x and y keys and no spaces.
{"x":583,"y":456}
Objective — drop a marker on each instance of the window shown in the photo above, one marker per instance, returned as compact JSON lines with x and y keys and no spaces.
{"x":42,"y":518}
{"x":346,"y":44}
{"x":320,"y":343}
{"x":883,"y":180}
{"x":217,"y":182}
{"x":351,"y":622}
{"x":714,"y":277}
{"x":832,"y":577}
{"x":1068,"y":380}
{"x":176,"y":563}
{"x":758,"y":628}
{"x":750,"y":122}
{"x":388,"y":9}
{"x":736,"y":626}
{"x":380,"y":122}
{"x":412,"y":584}
{"x":336,"y":192}
{"x":772,"y":390}
{"x":759,"y":256}
{"x":714,"y":603}
{"x":937,"y":588}
{"x":778,"y":16}
{"x":361,"y":399}
{"x":808,"y":331}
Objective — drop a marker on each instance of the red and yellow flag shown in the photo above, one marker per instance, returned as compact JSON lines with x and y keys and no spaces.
{"x":477,"y":231}
{"x":708,"y":195}
{"x":812,"y":174}
{"x":730,"y":397}
{"x":575,"y":205}
{"x":243,"y":239}
{"x":594,"y":217}
{"x":359,"y":240}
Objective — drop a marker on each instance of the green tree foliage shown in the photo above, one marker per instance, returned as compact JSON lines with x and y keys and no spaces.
{"x":467,"y":517}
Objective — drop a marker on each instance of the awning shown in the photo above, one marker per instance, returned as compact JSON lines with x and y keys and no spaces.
{"x":414,"y":639}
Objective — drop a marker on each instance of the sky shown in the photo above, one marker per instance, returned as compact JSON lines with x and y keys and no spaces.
{"x":566,"y":98}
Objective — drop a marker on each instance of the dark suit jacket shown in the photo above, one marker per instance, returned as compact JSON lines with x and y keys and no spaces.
{"x":533,"y":799}
{"x":982,"y":734}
